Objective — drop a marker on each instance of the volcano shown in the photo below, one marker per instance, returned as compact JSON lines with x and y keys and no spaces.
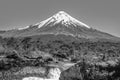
{"x":60,"y":24}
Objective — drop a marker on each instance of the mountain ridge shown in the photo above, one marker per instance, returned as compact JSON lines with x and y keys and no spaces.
{"x":60,"y":23}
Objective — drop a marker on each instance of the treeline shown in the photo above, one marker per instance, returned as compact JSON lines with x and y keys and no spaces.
{"x":61,"y":48}
{"x":98,"y":59}
{"x":88,"y":71}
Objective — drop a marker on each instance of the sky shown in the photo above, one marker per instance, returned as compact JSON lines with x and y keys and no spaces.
{"x":103,"y":15}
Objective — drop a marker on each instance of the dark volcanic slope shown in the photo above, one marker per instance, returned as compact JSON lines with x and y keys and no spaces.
{"x":59,"y":40}
{"x":61,"y":23}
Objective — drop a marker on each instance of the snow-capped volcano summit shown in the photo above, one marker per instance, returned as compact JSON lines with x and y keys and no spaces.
{"x":59,"y":24}
{"x":63,"y":18}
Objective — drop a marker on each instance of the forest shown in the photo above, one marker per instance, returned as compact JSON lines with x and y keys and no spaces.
{"x":99,"y":60}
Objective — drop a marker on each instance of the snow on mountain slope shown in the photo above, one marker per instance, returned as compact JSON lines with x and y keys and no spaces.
{"x":60,"y":23}
{"x":63,"y":18}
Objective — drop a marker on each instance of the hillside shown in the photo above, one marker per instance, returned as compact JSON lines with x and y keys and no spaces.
{"x":60,"y":23}
{"x":60,"y":43}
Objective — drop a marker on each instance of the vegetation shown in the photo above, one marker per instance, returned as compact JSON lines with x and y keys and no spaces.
{"x":88,"y":71}
{"x":98,"y":60}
